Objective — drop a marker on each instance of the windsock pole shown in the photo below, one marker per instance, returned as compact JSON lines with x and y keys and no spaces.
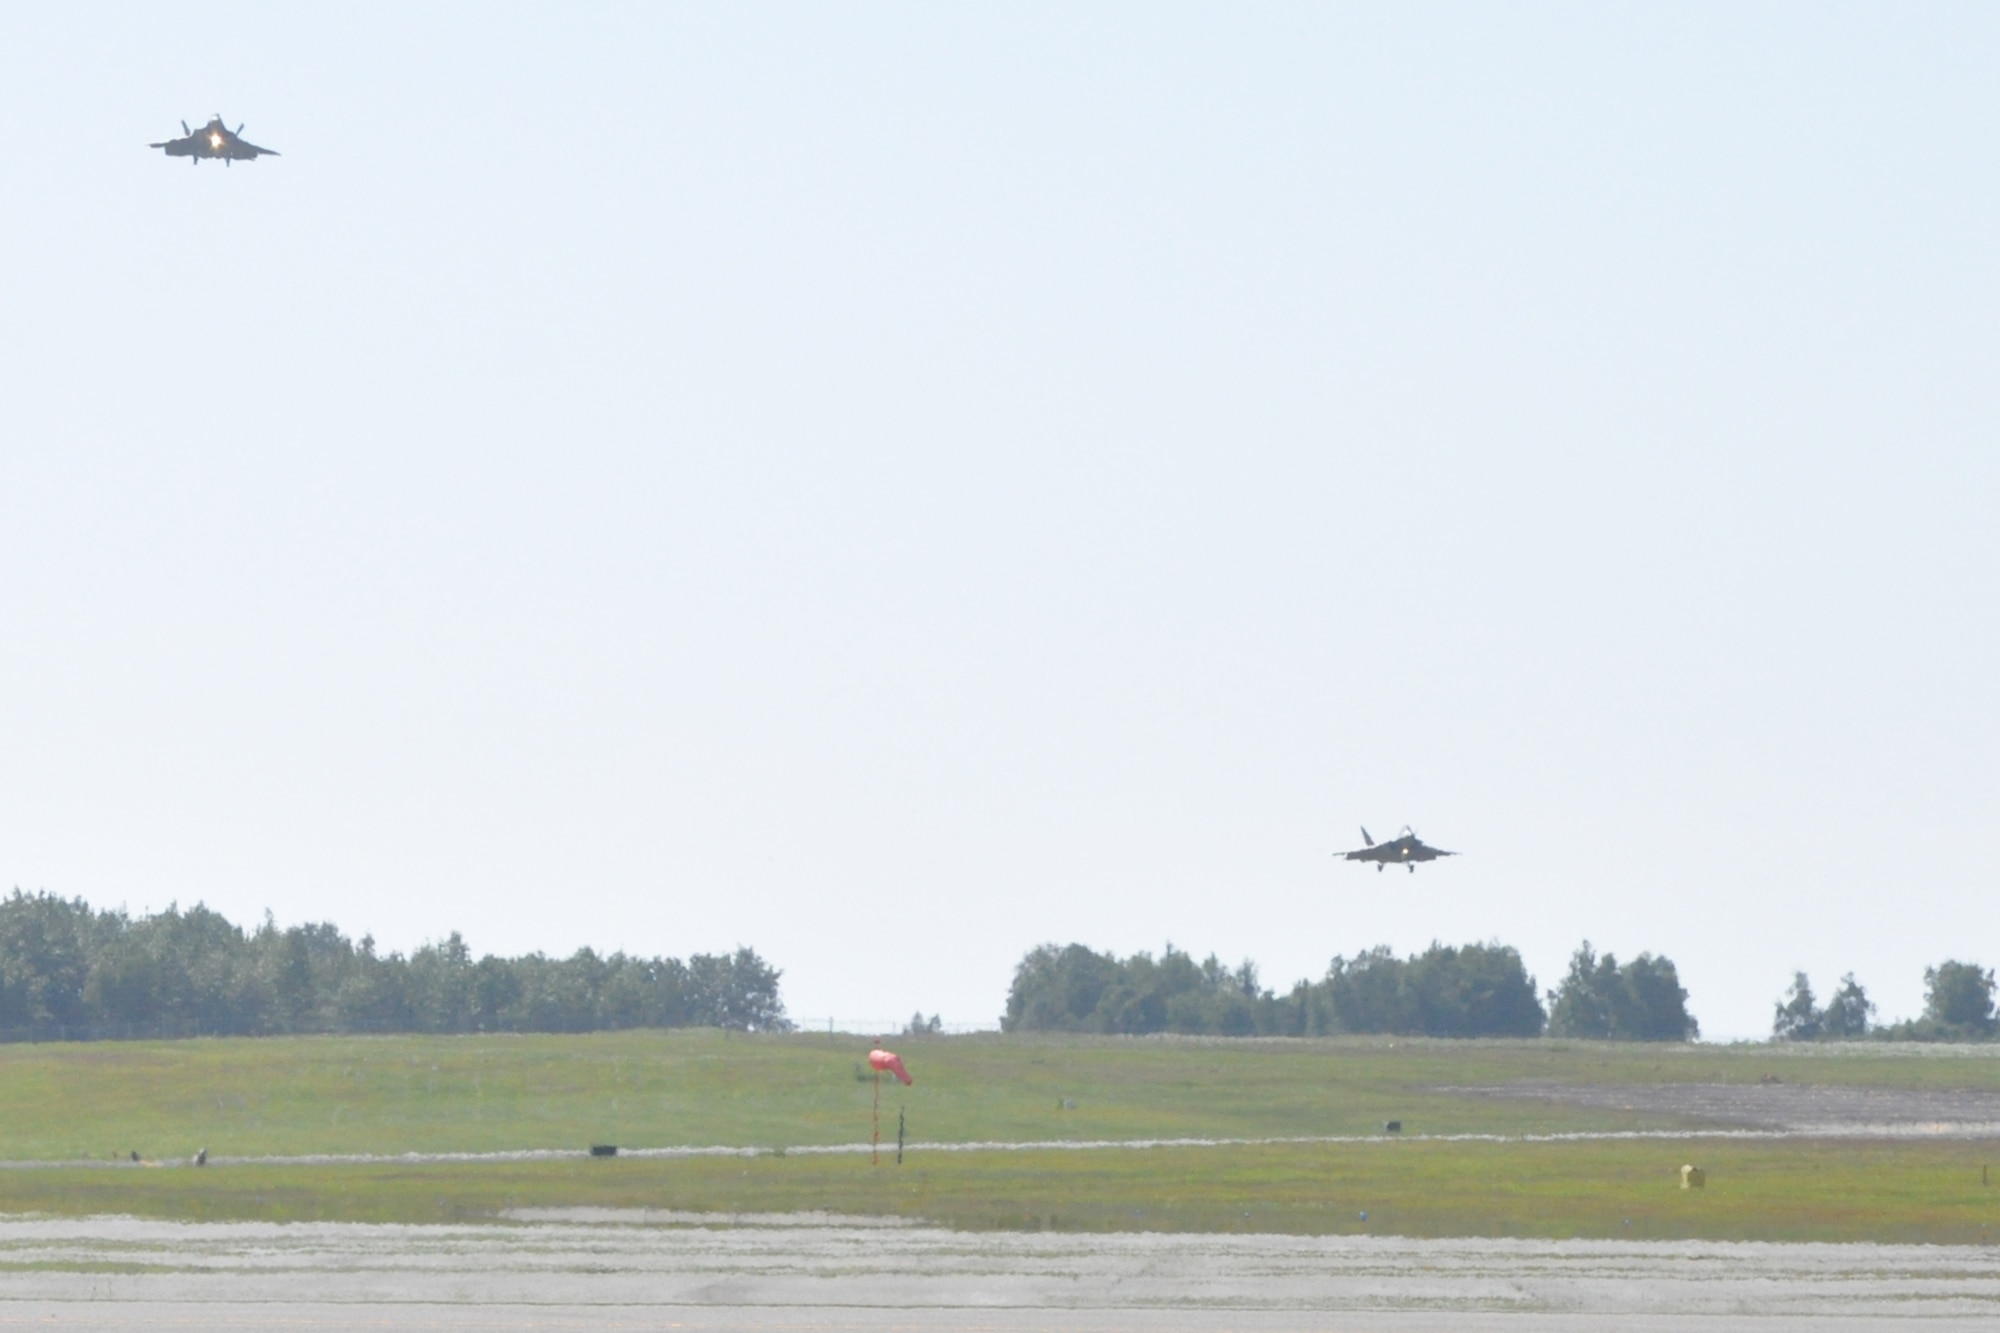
{"x":875,"y":1116}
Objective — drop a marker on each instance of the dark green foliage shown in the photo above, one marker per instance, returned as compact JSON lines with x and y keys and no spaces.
{"x":1958,"y":1006}
{"x":1478,"y":990}
{"x":1075,"y":989}
{"x":1847,"y":1014}
{"x":1475,"y":991}
{"x":1845,"y":1017}
{"x":1798,"y":1017}
{"x":1958,"y":999}
{"x":66,"y":970}
{"x":1640,"y":1001}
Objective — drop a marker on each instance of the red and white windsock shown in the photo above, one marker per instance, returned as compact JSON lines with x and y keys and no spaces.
{"x":888,"y":1062}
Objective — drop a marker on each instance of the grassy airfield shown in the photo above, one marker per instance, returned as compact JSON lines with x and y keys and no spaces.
{"x":390,"y":1095}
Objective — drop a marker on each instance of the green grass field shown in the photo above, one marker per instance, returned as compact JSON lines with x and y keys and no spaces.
{"x":1928,"y":1192}
{"x":386,"y":1095}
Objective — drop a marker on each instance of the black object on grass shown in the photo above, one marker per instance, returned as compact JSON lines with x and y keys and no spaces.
{"x":603,"y":1150}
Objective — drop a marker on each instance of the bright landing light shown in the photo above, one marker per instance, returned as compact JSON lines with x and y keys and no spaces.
{"x":215,"y":141}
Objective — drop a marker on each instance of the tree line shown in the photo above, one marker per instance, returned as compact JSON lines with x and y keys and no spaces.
{"x":1958,"y":1006}
{"x":71,"y":972}
{"x":1473,"y":990}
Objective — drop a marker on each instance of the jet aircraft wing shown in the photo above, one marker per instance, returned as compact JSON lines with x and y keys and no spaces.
{"x":217,"y":141}
{"x":1406,"y":849}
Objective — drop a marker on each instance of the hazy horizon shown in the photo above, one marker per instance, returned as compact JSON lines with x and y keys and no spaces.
{"x":893,"y":487}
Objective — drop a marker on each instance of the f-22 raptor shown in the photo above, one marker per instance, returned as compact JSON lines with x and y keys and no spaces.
{"x":1405,"y":849}
{"x":214,"y":140}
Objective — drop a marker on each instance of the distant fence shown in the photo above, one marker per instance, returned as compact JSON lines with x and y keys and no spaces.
{"x":889,"y":1027}
{"x":183,"y":1029}
{"x":162,"y":1030}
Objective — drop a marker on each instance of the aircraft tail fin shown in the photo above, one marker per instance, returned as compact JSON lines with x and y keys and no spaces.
{"x":185,"y":130}
{"x":1366,"y":841}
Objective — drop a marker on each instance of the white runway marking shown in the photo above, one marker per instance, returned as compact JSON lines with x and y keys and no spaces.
{"x":1839,"y":1130}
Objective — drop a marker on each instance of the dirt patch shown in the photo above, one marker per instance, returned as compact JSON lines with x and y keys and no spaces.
{"x":1796,"y":1107}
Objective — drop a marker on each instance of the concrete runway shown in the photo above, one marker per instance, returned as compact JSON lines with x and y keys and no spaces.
{"x":618,"y":1270}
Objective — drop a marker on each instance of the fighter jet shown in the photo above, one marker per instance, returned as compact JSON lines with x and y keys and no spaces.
{"x":214,"y":140}
{"x":1405,"y":849}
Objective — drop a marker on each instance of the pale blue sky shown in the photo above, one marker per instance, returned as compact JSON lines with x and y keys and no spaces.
{"x":896,"y":485}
